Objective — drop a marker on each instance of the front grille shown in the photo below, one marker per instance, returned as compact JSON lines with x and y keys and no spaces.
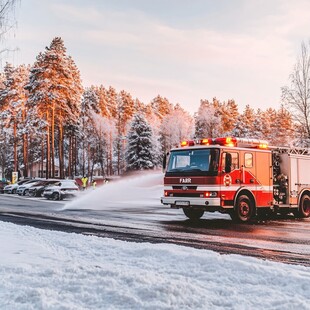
{"x":181,"y":187}
{"x":186,"y":195}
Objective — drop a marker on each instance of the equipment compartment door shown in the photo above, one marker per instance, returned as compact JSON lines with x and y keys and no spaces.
{"x":263,"y":172}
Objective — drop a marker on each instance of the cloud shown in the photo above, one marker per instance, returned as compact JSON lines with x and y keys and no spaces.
{"x":245,"y":54}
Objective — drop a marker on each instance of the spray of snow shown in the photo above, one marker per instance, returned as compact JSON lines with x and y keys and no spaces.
{"x":141,"y":189}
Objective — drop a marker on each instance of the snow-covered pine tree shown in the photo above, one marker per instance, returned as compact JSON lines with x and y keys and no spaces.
{"x":103,"y":101}
{"x":139,"y":152}
{"x":207,"y":121}
{"x":269,"y":117}
{"x":175,"y":127}
{"x":229,"y":114}
{"x":125,"y":111}
{"x":257,"y":126}
{"x":161,"y":106}
{"x":283,"y":126}
{"x":240,"y":130}
{"x":55,"y":90}
{"x":155,"y":122}
{"x":14,"y":111}
{"x":244,"y":124}
{"x":112,"y":102}
{"x":89,"y":108}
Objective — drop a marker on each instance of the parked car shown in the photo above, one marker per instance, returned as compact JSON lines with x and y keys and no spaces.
{"x":23,"y":189}
{"x":11,"y":188}
{"x":36,"y":190}
{"x":61,"y":190}
{"x":2,"y":185}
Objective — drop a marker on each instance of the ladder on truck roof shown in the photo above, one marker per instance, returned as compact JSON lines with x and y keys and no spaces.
{"x":290,"y":150}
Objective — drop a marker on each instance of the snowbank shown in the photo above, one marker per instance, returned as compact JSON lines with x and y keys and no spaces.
{"x":54,"y":270}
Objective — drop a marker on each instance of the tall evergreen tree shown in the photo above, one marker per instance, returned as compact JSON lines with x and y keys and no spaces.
{"x":89,"y":107}
{"x":140,"y":152}
{"x":14,"y":111}
{"x":229,"y":114}
{"x":175,"y":127}
{"x":55,"y":89}
{"x":161,"y":106}
{"x":207,"y":120}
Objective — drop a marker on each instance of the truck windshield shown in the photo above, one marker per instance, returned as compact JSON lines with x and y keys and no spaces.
{"x":193,"y":162}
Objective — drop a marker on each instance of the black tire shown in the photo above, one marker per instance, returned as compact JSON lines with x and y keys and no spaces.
{"x":26,"y":192}
{"x":304,"y":206}
{"x":193,"y":214}
{"x":244,"y":210}
{"x":14,"y":191}
{"x":56,"y":196}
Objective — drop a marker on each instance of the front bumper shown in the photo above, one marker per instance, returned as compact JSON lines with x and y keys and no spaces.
{"x":181,"y":202}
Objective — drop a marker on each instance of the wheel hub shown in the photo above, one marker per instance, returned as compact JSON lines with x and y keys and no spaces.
{"x":244,"y":209}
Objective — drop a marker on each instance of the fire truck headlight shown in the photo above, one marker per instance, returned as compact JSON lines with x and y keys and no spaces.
{"x":210,"y":194}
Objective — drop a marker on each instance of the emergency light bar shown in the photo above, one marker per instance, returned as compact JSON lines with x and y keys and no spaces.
{"x":228,"y":141}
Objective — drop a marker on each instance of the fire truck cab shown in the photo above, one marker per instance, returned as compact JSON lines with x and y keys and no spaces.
{"x":241,"y":177}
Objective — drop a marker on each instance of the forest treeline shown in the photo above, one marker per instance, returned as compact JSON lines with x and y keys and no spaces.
{"x":48,"y":117}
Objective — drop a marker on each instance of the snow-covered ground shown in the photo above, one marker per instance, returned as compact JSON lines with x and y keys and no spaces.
{"x":42,"y":269}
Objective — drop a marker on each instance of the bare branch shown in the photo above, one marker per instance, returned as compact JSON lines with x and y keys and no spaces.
{"x":7,"y":21}
{"x":296,"y":97}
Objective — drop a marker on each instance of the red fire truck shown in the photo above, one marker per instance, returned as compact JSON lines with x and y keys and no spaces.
{"x":242,"y":177}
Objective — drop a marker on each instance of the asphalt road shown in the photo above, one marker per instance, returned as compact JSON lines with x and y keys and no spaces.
{"x":283,"y":239}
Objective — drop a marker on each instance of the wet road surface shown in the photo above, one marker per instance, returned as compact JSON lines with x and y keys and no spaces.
{"x":284,"y":239}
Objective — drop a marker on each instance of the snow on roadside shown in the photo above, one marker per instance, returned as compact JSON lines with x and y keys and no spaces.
{"x":54,"y":270}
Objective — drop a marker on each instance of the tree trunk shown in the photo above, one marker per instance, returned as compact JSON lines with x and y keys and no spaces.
{"x":88,"y":159}
{"x":25,"y":154}
{"x":48,"y":152}
{"x":53,"y":141}
{"x":83,"y":158}
{"x":70,"y":156}
{"x":15,"y":146}
{"x":61,"y":153}
{"x":42,"y":159}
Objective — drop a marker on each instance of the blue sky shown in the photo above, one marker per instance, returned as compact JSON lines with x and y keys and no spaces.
{"x":185,"y":50}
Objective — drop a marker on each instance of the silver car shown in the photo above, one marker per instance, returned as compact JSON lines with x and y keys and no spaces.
{"x":61,"y":190}
{"x":11,"y":188}
{"x":23,"y":189}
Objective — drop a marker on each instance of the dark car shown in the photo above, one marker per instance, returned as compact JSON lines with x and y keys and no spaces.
{"x":23,"y":189}
{"x":2,"y":185}
{"x":37,"y":189}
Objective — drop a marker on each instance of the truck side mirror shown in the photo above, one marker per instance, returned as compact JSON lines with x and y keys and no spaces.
{"x":228,"y":161}
{"x":165,"y":161}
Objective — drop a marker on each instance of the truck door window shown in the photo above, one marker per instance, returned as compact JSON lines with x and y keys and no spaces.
{"x":248,"y":160}
{"x":234,"y":160}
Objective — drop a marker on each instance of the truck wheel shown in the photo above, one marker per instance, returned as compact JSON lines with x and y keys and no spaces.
{"x":304,"y":206}
{"x":193,"y":214}
{"x":244,"y":209}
